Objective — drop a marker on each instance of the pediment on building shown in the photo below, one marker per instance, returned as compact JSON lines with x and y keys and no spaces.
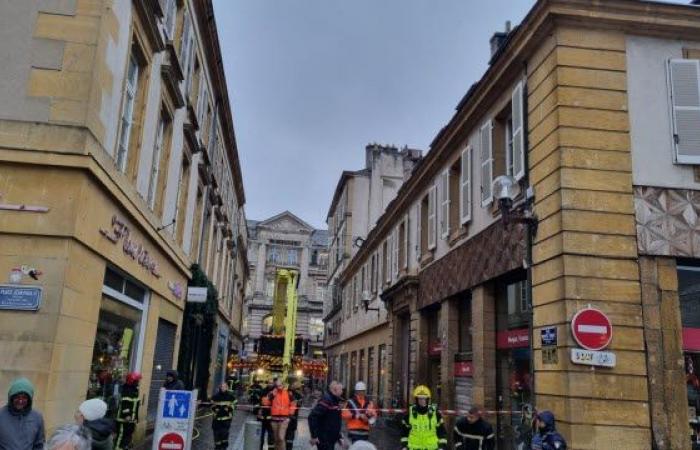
{"x":286,"y":221}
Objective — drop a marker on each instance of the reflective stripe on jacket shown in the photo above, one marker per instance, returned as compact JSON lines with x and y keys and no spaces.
{"x":356,"y":407}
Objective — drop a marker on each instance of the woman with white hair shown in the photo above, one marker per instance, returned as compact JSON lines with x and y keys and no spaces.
{"x":70,"y":437}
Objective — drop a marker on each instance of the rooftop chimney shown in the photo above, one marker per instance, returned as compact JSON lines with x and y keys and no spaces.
{"x":499,"y":37}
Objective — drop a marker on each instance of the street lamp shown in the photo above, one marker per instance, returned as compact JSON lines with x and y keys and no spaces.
{"x":506,"y":189}
{"x":366,"y":298}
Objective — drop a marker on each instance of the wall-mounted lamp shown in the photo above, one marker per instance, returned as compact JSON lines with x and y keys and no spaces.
{"x":506,"y":189}
{"x":358,"y":241}
{"x":366,"y":298}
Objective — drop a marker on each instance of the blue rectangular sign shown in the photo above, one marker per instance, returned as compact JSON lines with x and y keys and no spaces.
{"x":18,"y":297}
{"x":177,"y":405}
{"x":549,"y":336}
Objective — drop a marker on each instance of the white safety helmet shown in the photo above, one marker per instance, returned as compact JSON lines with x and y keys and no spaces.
{"x":360,"y":386}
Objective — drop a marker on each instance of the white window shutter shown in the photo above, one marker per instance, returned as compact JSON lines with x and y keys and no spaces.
{"x":684,"y":78}
{"x":486,"y":159}
{"x":432,"y":229}
{"x":395,"y":255}
{"x":445,"y":204}
{"x":404,"y":261}
{"x":518,"y":132}
{"x":419,"y":231}
{"x":465,"y":186}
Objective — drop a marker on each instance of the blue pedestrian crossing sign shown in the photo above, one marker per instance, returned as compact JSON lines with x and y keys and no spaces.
{"x":177,"y":404}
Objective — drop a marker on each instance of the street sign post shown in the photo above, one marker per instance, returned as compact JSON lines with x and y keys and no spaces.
{"x":591,"y":329}
{"x":175,"y":420}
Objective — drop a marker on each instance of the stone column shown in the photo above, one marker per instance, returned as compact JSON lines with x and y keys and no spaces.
{"x":484,"y":346}
{"x":449,"y":323}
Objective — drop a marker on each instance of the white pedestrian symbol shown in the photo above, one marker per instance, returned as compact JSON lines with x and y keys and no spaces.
{"x":172,"y":404}
{"x":183,"y":410}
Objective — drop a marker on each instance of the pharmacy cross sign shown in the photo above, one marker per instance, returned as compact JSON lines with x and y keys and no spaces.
{"x":591,"y":329}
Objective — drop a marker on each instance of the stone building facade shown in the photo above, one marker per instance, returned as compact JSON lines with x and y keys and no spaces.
{"x":119,"y":172}
{"x":285,"y":241}
{"x":593,"y":109}
{"x":356,"y":339}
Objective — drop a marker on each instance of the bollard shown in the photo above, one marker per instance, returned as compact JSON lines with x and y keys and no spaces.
{"x":252,"y":435}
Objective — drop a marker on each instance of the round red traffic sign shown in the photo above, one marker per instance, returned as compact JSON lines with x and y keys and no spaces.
{"x":171,"y":441}
{"x":591,"y":329}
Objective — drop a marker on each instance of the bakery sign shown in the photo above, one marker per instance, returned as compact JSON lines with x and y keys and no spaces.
{"x":135,"y":250}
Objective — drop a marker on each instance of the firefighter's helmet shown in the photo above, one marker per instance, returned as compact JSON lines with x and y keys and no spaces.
{"x":133,"y":378}
{"x":421,"y":391}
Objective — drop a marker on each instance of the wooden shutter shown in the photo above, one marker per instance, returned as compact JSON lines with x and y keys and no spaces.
{"x":465,"y":186}
{"x":486,"y":159}
{"x":518,"y":132}
{"x":445,"y":204}
{"x":684,"y":75}
{"x":432,"y":209}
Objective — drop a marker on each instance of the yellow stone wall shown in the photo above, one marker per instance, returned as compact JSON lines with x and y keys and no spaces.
{"x":53,"y":346}
{"x":585,"y":252}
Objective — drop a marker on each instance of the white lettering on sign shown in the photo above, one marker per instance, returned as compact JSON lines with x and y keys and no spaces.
{"x":134,"y":249}
{"x":594,"y":329}
{"x":593,"y":358}
{"x":169,"y":446}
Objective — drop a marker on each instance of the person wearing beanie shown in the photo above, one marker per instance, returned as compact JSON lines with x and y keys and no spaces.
{"x":21,"y":427}
{"x":91,"y":415}
{"x":172,"y":383}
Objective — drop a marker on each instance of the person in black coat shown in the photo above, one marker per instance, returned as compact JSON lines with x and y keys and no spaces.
{"x":223,"y":405}
{"x":295,"y":391}
{"x":473,"y":432}
{"x":325,"y":419}
{"x":172,"y":383}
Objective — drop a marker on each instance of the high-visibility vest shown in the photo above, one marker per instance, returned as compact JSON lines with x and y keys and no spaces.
{"x":423,"y":433}
{"x":280,"y":402}
{"x":355,"y":408}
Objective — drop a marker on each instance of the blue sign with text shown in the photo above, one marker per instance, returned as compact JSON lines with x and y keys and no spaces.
{"x":549,"y":336}
{"x":177,"y":405}
{"x":18,"y":297}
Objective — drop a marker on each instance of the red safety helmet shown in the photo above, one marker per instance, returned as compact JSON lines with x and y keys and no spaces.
{"x":133,"y":378}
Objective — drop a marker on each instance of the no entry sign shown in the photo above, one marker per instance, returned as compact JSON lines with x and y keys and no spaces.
{"x":591,"y":329}
{"x":171,"y":441}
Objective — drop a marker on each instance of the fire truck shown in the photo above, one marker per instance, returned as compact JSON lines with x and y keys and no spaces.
{"x":282,"y":353}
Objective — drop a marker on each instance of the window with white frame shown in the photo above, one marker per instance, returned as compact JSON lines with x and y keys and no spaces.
{"x":127,"y":117}
{"x":155,"y":164}
{"x":684,"y":81}
{"x":517,"y":163}
{"x":465,"y":191}
{"x":444,"y":211}
{"x":486,"y":160}
{"x":432,"y":210}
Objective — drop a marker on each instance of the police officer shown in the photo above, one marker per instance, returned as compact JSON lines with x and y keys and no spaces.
{"x":128,"y":412}
{"x":423,"y":428}
{"x":546,"y":435}
{"x":223,"y":404}
{"x":474,"y":433}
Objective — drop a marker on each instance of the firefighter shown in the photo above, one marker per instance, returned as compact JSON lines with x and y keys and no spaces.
{"x":282,"y":406}
{"x":128,"y":412}
{"x":264,"y":416}
{"x":473,"y":432}
{"x":423,"y":428}
{"x":359,"y":414}
{"x":295,"y":391}
{"x":233,"y":382}
{"x":223,"y":405}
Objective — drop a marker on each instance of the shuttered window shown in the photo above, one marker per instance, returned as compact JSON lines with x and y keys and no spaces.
{"x":465,"y":186}
{"x":684,"y":77}
{"x":445,"y":204}
{"x":486,"y":159}
{"x":395,"y":253}
{"x":518,"y":132}
{"x":432,"y":209}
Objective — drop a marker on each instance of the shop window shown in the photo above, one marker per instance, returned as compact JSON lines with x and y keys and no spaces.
{"x":353,"y":371}
{"x":381,"y":384}
{"x":370,"y":372}
{"x":465,"y":326}
{"x":362,"y":375}
{"x":689,"y":298}
{"x":118,"y":340}
{"x":513,"y":362}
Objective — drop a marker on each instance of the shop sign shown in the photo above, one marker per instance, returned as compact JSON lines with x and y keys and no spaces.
{"x":135,"y":250}
{"x":175,"y":420}
{"x":591,"y":329}
{"x":592,"y":358}
{"x":691,"y":339}
{"x":517,"y":338}
{"x":20,"y":297}
{"x":464,"y":369}
{"x":196,"y":294}
{"x":176,"y":288}
{"x":435,"y":348}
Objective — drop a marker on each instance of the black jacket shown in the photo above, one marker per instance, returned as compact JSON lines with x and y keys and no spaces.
{"x":223,"y":406}
{"x":325,"y":420}
{"x":101,"y":432}
{"x":474,"y":436}
{"x":176,"y":384}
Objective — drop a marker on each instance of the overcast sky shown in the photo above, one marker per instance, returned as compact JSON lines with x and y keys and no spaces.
{"x":314,"y":81}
